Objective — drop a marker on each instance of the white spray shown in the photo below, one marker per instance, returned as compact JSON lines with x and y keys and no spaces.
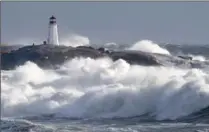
{"x":53,"y":33}
{"x":85,"y":87}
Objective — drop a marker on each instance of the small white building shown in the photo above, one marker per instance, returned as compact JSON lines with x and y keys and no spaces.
{"x":53,"y":33}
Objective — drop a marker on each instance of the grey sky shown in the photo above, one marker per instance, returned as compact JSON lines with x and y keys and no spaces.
{"x":120,"y":22}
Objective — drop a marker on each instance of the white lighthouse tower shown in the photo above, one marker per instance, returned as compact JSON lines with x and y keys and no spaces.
{"x":53,"y":33}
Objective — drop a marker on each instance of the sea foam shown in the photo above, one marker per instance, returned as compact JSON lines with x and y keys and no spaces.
{"x":85,"y":87}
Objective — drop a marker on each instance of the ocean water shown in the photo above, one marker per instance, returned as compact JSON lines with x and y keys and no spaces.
{"x":101,"y":95}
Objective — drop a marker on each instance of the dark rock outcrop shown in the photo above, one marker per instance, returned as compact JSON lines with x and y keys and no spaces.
{"x":50,"y":56}
{"x":185,"y":57}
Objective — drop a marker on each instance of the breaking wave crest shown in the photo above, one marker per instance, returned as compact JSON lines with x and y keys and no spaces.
{"x":198,"y":57}
{"x":75,"y":40}
{"x":84,"y":87}
{"x":149,"y":46}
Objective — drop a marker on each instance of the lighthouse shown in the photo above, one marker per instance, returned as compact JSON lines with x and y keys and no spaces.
{"x":53,"y":33}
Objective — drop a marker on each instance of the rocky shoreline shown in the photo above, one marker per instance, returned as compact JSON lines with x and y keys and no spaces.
{"x":50,"y":56}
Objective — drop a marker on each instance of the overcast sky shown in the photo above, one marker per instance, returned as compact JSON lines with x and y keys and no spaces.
{"x":101,"y":22}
